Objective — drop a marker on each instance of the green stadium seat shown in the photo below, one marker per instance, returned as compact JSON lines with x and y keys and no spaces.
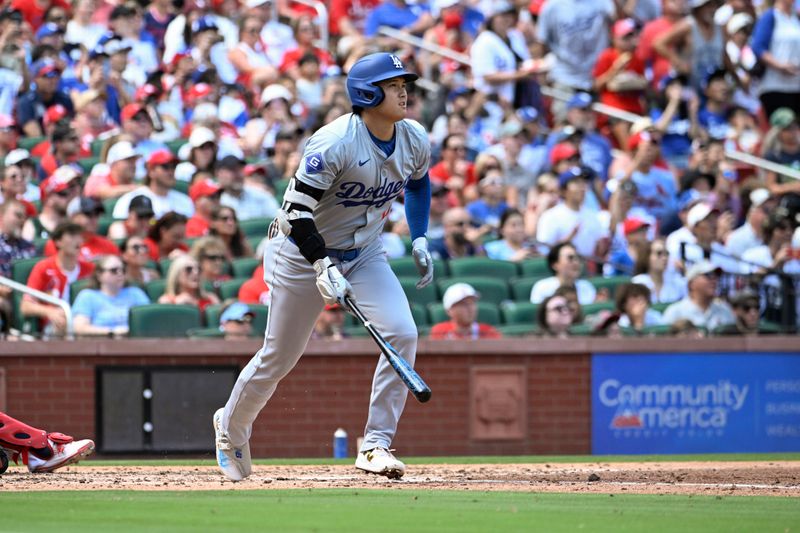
{"x":254,"y":241}
{"x":423,"y":296}
{"x":420,"y":315}
{"x":521,"y":288}
{"x":518,"y":330}
{"x":28,"y":326}
{"x":244,"y":267}
{"x":87,"y":164}
{"x":661,"y":307}
{"x":261,"y":312}
{"x":581,"y":330}
{"x":163,"y":266}
{"x":103,"y":223}
{"x":21,"y":268}
{"x":596,"y":307}
{"x":483,"y":267}
{"x":28,"y":143}
{"x":405,"y":267}
{"x":355,"y":331}
{"x":181,"y":186}
{"x":155,"y":289}
{"x":39,"y":243}
{"x":280,"y":189}
{"x":97,"y":146}
{"x":491,"y":290}
{"x":255,"y":227}
{"x":610,"y":283}
{"x":109,"y":204}
{"x":230,"y":288}
{"x":487,"y":313}
{"x":176,"y":144}
{"x":78,"y":286}
{"x":519,"y":313}
{"x":163,"y":320}
{"x":535,"y":267}
{"x":407,"y":242}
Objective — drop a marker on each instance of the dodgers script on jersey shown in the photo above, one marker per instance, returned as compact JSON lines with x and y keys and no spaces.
{"x":360,"y":182}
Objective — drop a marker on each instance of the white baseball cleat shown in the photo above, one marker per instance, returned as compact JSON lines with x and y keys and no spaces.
{"x":380,"y":461}
{"x":63,"y":454}
{"x":234,"y":462}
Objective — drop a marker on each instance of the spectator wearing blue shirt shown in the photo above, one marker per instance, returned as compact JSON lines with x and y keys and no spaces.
{"x":44,"y":93}
{"x":104,"y":310}
{"x":713,"y":116}
{"x":675,"y":116}
{"x":413,"y":18}
{"x":512,"y":245}
{"x":491,"y":204}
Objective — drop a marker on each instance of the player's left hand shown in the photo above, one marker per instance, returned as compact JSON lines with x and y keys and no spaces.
{"x":423,"y":260}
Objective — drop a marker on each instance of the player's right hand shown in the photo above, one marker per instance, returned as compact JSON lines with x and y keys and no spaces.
{"x":331,"y":284}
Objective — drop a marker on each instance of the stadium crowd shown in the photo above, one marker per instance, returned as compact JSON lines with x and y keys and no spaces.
{"x":146,"y":146}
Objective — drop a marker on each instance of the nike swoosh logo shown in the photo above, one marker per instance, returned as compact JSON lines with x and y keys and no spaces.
{"x":362,"y":163}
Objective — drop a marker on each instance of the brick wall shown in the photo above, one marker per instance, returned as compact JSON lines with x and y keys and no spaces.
{"x":52,"y":385}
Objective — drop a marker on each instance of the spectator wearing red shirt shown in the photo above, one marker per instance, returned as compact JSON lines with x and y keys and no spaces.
{"x":304,"y":34}
{"x":51,"y":117}
{"x":461,"y":304}
{"x":205,"y":194}
{"x":619,"y":77}
{"x":671,"y":12}
{"x":255,"y":289}
{"x":65,"y":148}
{"x":85,"y":211}
{"x":166,"y":237}
{"x":55,"y":274}
{"x":349,"y":17}
{"x":454,"y":165}
{"x":33,"y":10}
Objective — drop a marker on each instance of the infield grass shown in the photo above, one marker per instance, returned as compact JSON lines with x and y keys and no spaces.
{"x":354,"y":511}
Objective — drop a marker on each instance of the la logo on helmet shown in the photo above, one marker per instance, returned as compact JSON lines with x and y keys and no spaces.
{"x":396,"y":61}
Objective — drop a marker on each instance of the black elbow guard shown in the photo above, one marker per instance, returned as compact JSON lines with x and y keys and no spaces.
{"x":311,"y":244}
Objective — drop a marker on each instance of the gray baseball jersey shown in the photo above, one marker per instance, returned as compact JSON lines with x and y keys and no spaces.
{"x":360,"y":184}
{"x":360,"y":181}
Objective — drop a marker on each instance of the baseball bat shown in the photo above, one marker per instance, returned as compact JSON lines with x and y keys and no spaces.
{"x":412,"y":380}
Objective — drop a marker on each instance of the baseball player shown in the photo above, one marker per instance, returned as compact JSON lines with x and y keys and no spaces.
{"x":325,"y":245}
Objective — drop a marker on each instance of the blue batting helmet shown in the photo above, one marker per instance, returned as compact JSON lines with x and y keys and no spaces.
{"x":368,"y":71}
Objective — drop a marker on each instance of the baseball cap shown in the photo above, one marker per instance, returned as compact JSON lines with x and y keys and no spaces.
{"x":236,"y":311}
{"x":273,"y":92}
{"x":131,"y":110}
{"x":694,"y":4}
{"x":499,"y":7}
{"x":120,"y":151}
{"x":624,"y":27}
{"x":701,"y":269}
{"x":145,"y":91}
{"x":201,"y":136}
{"x":699,"y":213}
{"x":580,"y":100}
{"x":46,"y":30}
{"x":758,"y":197}
{"x":203,"y":24}
{"x":562,"y":151}
{"x":230,"y":161}
{"x":142,"y":206}
{"x":744,"y":298}
{"x":161,"y":156}
{"x":782,"y":117}
{"x":633,"y":224}
{"x":59,"y":180}
{"x":17,"y":156}
{"x":198,"y":90}
{"x":115,"y":46}
{"x":203,"y":188}
{"x":570,"y":174}
{"x":45,"y":67}
{"x":255,"y":3}
{"x":528,"y":114}
{"x":251,"y":169}
{"x":86,"y":205}
{"x":737,"y":22}
{"x":458,"y":292}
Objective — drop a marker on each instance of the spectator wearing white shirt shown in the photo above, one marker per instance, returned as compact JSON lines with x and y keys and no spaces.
{"x":564,"y":261}
{"x":570,"y":221}
{"x":700,"y":243}
{"x":749,"y":234}
{"x":701,"y":307}
{"x":248,"y":201}
{"x":158,"y":187}
{"x":776,"y":253}
{"x":650,"y":270}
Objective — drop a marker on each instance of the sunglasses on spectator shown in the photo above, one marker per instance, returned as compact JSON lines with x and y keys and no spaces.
{"x":461,"y":223}
{"x":748,"y":307}
{"x":115,"y":270}
{"x":458,"y":148}
{"x":168,"y":166}
{"x":139,"y":248}
{"x":226,"y":218}
{"x":247,"y":319}
{"x":214,"y":257}
{"x":65,"y":193}
{"x":491,"y":167}
{"x":561,"y":309}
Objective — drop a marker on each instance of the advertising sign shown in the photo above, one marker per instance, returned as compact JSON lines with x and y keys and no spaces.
{"x":695,"y":403}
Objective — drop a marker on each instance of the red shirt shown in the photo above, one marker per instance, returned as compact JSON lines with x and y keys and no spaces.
{"x":254,"y":290}
{"x":448,"y":331}
{"x":356,"y":12}
{"x":47,"y":277}
{"x":93,"y":246}
{"x":439,"y":173}
{"x":154,"y":253}
{"x":291,"y":58}
{"x":196,"y":226}
{"x":626,"y":100}
{"x":33,"y":13}
{"x":645,"y":52}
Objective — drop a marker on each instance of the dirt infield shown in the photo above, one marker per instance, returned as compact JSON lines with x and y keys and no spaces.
{"x":701,"y":478}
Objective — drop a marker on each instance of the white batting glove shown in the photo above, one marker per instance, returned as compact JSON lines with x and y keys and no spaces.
{"x":423,"y":260}
{"x":331,"y":284}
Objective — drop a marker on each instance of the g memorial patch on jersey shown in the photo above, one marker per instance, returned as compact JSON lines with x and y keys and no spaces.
{"x":359,"y":180}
